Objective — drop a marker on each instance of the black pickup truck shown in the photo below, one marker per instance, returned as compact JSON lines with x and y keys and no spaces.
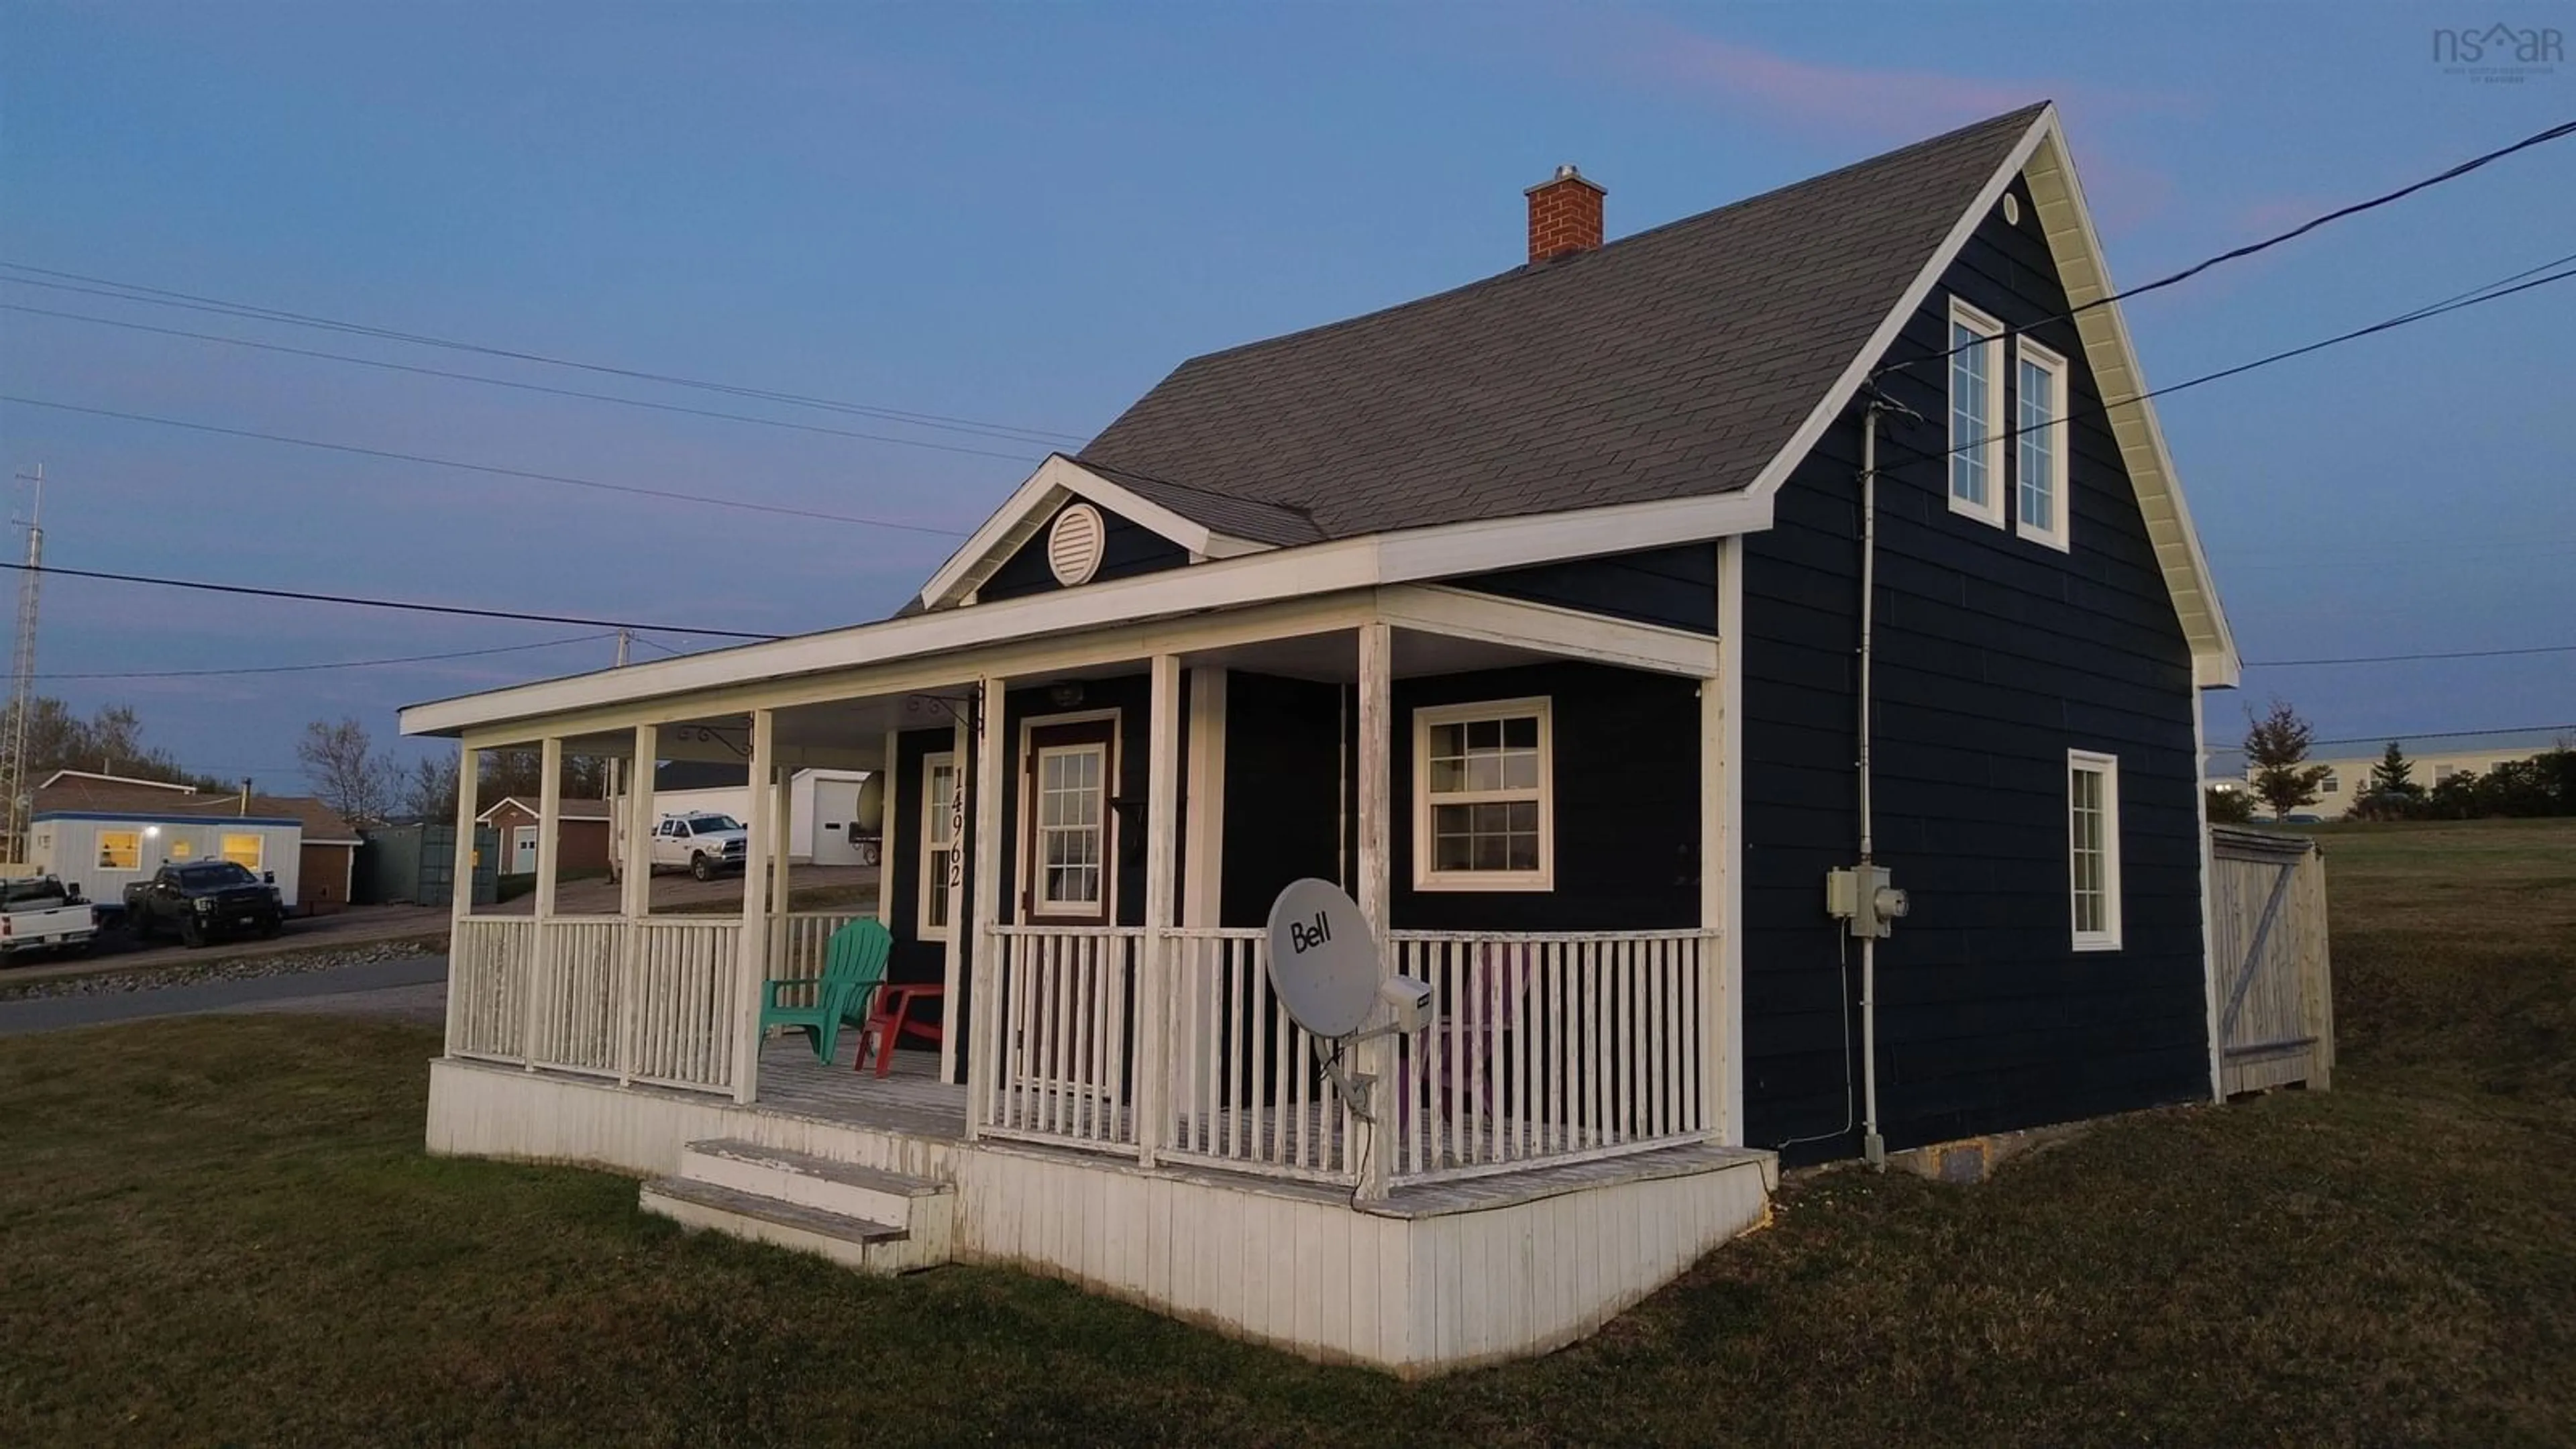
{"x":202,"y":901}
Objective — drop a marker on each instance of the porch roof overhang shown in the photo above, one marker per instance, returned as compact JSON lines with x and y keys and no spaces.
{"x":1272,"y":594}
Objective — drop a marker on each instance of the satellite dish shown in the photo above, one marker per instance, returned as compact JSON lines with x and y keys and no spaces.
{"x":871,"y":809}
{"x":1324,"y":964}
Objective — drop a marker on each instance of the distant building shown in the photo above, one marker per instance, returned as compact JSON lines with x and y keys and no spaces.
{"x":107,"y":831}
{"x":582,"y":844}
{"x":2433,"y":758}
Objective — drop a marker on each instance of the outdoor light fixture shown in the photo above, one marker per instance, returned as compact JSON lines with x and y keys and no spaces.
{"x":1065,"y":695}
{"x":152,"y":832}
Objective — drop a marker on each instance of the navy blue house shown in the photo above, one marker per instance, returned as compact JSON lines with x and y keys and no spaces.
{"x":1585,"y":622}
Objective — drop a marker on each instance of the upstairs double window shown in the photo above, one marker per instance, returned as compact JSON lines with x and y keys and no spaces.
{"x":1981,"y":361}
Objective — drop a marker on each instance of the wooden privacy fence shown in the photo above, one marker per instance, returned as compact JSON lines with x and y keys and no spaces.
{"x":2267,"y":908}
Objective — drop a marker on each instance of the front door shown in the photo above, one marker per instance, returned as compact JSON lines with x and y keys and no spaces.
{"x":526,"y":838}
{"x":1070,"y":832}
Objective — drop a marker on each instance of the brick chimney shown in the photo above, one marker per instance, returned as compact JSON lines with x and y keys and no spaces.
{"x":1564,"y":215}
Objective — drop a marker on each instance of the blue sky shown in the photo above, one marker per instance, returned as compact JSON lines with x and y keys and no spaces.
{"x":1026,"y":215}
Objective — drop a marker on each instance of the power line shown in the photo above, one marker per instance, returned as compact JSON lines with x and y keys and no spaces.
{"x":164,"y":297}
{"x":2404,"y":658}
{"x":658,"y":644}
{"x":494,"y":470}
{"x":403,"y":605}
{"x":2537,"y":138}
{"x":2448,"y":734}
{"x":2491,"y":292}
{"x":508,"y":382}
{"x":334,"y":664}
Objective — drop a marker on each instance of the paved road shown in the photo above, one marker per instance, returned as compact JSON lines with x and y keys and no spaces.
{"x":118,"y":951}
{"x":402,"y":988}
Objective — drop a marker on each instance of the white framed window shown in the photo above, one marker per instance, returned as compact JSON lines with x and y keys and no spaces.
{"x":250,"y":851}
{"x":2040,"y":443}
{"x":120,"y":850}
{"x":1482,"y":797}
{"x":1976,"y":414}
{"x":940,"y":812}
{"x":2330,"y":784}
{"x":2093,"y":848}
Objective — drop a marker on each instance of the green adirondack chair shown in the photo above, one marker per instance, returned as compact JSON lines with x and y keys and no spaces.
{"x":854,"y":964}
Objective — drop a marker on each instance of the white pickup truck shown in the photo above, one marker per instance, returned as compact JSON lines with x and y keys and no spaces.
{"x":40,"y":913}
{"x":700,"y":842}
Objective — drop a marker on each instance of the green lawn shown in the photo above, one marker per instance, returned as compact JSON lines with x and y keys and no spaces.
{"x":224,"y":1230}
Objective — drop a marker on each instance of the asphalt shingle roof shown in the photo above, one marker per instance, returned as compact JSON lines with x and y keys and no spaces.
{"x":85,"y":795}
{"x":1669,"y":364}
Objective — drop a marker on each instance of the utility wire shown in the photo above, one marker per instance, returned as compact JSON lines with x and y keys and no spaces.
{"x":403,"y":605}
{"x":494,"y":470}
{"x":2492,"y":292}
{"x":164,"y":297}
{"x":2404,"y":658}
{"x":2448,"y":734}
{"x":631,"y":402}
{"x":2537,"y":138}
{"x":334,"y":664}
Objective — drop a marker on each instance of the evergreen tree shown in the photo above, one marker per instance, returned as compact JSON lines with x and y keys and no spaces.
{"x":2395,"y":775}
{"x":2277,"y":748}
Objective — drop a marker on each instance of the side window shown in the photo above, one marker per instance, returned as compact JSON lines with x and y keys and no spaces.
{"x":1976,"y":414}
{"x":2093,"y":848}
{"x":2040,"y":444}
{"x":120,"y":850}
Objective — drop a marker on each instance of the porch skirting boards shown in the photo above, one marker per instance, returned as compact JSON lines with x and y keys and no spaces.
{"x":1437,"y":1278}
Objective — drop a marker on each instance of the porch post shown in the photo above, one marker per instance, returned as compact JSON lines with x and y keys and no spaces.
{"x":1154,"y":982}
{"x":983,"y":1064}
{"x":751,"y":945}
{"x":461,"y":904}
{"x":1203,"y":854}
{"x":549,"y":858}
{"x":635,"y":894}
{"x":1377,"y":724}
{"x":1722,"y":861}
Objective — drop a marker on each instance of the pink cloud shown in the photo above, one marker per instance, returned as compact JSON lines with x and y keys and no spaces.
{"x":1882,"y":104}
{"x":1886,"y":106}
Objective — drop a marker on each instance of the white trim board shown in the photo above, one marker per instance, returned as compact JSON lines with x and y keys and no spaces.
{"x":1056,"y":481}
{"x":1273,"y":576}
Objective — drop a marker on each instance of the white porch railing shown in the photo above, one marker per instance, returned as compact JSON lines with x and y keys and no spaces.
{"x":579,"y":1005}
{"x":1549,"y":1048}
{"x":1054,"y":1012}
{"x":1248,"y":1088}
{"x":647,"y":1000}
{"x":1544,"y":1048}
{"x":487,"y":988}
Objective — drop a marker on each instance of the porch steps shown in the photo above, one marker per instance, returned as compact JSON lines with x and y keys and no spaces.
{"x":875,"y":1221}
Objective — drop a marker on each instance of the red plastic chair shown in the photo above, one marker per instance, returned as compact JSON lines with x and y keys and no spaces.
{"x":891,"y":1019}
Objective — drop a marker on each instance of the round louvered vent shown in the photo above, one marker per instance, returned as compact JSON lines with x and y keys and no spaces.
{"x":1073,"y":544}
{"x":2012,"y":209}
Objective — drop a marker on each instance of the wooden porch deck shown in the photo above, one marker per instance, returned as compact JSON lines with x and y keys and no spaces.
{"x":912,"y":1100}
